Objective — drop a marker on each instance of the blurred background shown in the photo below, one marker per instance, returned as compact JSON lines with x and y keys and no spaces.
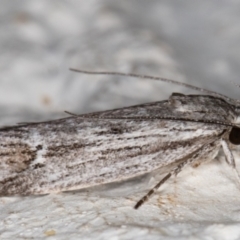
{"x":189,"y":41}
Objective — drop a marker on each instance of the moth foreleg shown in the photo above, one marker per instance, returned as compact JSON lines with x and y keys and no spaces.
{"x":230,"y":158}
{"x":228,"y":154}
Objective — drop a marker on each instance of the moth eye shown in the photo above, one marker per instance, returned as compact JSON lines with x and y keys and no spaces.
{"x":234,"y":136}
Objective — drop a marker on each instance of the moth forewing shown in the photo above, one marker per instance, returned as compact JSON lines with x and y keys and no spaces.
{"x":97,"y":148}
{"x":77,"y":152}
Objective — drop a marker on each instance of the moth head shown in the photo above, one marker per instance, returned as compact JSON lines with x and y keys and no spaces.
{"x":234,"y":136}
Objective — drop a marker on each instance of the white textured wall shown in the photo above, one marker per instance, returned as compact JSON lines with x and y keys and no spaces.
{"x":193,"y":41}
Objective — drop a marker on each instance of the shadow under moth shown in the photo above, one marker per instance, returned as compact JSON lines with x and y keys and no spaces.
{"x":82,"y":151}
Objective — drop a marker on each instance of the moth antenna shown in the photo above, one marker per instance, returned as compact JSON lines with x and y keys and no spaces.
{"x":133,"y":75}
{"x":24,"y":123}
{"x":152,"y":191}
{"x":175,"y":172}
{"x":163,"y":118}
{"x":72,"y":114}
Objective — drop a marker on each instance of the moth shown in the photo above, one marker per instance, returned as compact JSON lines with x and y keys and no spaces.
{"x":82,"y":151}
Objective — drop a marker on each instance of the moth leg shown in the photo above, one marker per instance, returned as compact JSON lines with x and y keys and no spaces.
{"x":230,"y":158}
{"x":228,"y":154}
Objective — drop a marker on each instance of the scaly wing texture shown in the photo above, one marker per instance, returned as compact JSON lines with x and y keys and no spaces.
{"x":179,"y":106}
{"x":84,"y":151}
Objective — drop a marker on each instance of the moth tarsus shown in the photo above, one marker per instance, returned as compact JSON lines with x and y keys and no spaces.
{"x":97,"y":148}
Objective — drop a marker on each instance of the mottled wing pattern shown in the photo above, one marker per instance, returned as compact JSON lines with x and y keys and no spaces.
{"x":97,"y":148}
{"x":196,"y":107}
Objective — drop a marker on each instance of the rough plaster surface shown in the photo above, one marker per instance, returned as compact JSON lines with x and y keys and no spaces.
{"x":191,"y":41}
